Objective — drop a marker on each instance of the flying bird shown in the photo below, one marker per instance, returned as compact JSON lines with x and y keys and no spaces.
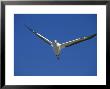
{"x":58,"y":46}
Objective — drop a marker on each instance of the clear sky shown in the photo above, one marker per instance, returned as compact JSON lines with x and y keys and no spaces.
{"x":33,"y":57}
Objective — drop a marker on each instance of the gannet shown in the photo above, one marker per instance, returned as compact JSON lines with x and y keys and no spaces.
{"x":58,"y":46}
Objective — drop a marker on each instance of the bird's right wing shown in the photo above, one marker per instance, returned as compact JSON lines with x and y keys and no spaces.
{"x":39,"y":35}
{"x":69,"y":43}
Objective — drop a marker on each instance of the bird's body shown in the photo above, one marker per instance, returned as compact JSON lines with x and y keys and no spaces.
{"x":58,"y":46}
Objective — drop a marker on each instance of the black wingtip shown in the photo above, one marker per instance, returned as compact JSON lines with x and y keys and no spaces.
{"x":94,"y":34}
{"x":26,"y":26}
{"x":29,"y":28}
{"x":91,"y":36}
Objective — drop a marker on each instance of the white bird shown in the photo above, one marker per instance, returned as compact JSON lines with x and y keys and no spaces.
{"x":58,"y":46}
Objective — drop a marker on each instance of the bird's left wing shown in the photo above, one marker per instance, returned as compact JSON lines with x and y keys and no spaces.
{"x":39,"y":35}
{"x":69,"y":43}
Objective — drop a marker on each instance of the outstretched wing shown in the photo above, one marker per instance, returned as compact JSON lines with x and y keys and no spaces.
{"x":39,"y":35}
{"x":69,"y":43}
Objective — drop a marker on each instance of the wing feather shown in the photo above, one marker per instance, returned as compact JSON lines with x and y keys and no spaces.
{"x":39,"y":35}
{"x":69,"y":43}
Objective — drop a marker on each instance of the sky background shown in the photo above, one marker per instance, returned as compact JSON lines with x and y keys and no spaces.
{"x":33,"y":57}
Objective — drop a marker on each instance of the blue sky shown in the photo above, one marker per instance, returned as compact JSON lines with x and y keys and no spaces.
{"x":33,"y":57}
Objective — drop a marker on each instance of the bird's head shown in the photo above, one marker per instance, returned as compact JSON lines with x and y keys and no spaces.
{"x":55,"y":41}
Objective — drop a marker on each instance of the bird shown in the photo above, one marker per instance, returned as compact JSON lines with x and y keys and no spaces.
{"x":59,"y":46}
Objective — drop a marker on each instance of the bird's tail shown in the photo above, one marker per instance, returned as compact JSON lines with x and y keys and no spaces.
{"x":58,"y":57}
